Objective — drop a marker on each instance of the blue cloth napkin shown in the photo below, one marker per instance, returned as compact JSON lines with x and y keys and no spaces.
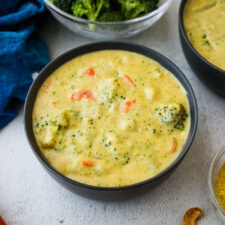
{"x":22,"y":52}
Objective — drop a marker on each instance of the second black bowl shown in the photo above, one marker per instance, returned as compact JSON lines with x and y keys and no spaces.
{"x":212,"y":76}
{"x":107,"y":193}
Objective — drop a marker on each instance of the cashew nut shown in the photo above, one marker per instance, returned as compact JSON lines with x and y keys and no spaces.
{"x":192,"y":215}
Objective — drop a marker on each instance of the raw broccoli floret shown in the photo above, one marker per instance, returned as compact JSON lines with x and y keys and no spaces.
{"x":107,"y":10}
{"x":172,"y":115}
{"x":89,"y":9}
{"x":111,"y":16}
{"x":65,"y":5}
{"x":134,"y":8}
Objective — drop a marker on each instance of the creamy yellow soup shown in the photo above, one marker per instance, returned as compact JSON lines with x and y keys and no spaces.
{"x":111,"y":118}
{"x":204,"y":22}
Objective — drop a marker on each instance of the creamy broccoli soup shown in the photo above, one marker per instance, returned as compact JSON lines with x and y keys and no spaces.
{"x":204,"y":22}
{"x":111,"y":118}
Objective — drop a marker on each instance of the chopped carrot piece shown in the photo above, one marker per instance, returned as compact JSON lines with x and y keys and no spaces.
{"x":54,"y":102}
{"x":48,"y":85}
{"x":77,"y":96}
{"x":88,"y":163}
{"x":129,"y":81}
{"x":88,"y":94}
{"x":126,"y":105}
{"x":173,"y":146}
{"x":2,"y":221}
{"x":90,"y":72}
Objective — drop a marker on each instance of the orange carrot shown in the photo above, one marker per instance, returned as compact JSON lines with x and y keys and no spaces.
{"x":2,"y":221}
{"x":54,"y":102}
{"x":88,"y":94}
{"x":126,"y":105}
{"x":90,"y":72}
{"x":48,"y":85}
{"x":88,"y":163}
{"x":173,"y":146}
{"x":128,"y":81}
{"x":77,"y":96}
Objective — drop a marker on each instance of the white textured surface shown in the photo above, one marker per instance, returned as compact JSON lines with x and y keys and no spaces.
{"x":28,"y":196}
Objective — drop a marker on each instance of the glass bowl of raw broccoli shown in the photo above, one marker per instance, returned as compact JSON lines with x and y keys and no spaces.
{"x":107,"y":19}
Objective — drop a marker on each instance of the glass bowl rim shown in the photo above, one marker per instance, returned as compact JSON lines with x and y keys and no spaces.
{"x":125,"y":22}
{"x":212,"y":193}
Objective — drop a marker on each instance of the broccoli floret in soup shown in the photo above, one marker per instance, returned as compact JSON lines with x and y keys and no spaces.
{"x":173,"y":115}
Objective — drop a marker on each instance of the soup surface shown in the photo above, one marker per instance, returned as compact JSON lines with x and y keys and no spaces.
{"x":111,"y":118}
{"x":204,"y":21}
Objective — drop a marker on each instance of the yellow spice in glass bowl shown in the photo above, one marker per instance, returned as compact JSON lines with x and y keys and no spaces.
{"x":220,"y":187}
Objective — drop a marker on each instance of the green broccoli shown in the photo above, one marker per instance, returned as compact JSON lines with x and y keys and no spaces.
{"x":89,"y":9}
{"x":172,"y":115}
{"x":134,"y":8}
{"x":107,"y":10}
{"x":65,"y":5}
{"x":111,"y":16}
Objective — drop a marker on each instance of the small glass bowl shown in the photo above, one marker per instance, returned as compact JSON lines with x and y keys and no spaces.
{"x":108,"y":30}
{"x":215,"y":167}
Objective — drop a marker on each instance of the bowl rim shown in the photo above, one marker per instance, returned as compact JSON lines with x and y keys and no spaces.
{"x":125,"y":22}
{"x":210,"y":176}
{"x":111,"y":45}
{"x":182,"y":29}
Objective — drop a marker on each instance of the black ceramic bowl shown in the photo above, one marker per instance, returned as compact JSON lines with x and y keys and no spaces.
{"x":212,"y":76}
{"x":105,"y":193}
